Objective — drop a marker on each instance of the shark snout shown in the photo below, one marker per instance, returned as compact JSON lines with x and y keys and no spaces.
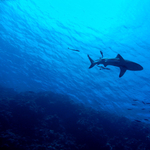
{"x":135,"y":67}
{"x":140,"y":67}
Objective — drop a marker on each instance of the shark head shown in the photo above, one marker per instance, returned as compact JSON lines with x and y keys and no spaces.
{"x":127,"y":65}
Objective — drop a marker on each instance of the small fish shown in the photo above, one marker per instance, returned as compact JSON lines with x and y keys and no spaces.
{"x":101,"y":53}
{"x":143,"y":102}
{"x":143,"y":109}
{"x":73,"y":49}
{"x":30,"y":92}
{"x":137,"y":120}
{"x":134,"y":104}
{"x":129,"y":109}
{"x":147,"y":103}
{"x":135,"y":100}
{"x":101,"y":67}
{"x":146,"y":119}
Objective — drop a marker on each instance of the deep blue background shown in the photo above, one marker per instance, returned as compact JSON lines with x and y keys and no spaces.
{"x":34,"y":40}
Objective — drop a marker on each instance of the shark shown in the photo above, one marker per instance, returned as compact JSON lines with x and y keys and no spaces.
{"x":118,"y":61}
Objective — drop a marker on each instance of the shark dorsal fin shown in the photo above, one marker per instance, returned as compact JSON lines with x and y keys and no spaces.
{"x":122,"y":71}
{"x":120,"y":57}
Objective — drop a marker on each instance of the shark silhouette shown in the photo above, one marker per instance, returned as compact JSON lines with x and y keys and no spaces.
{"x":119,"y":61}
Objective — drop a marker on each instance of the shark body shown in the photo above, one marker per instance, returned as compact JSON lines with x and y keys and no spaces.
{"x":118,"y":61}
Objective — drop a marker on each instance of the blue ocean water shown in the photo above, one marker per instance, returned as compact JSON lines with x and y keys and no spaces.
{"x":34,"y":55}
{"x":50,"y":99}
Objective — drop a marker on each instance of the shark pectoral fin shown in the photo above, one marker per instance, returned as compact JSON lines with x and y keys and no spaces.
{"x":122,"y":71}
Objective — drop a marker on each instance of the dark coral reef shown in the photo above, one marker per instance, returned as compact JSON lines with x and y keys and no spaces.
{"x":50,"y":121}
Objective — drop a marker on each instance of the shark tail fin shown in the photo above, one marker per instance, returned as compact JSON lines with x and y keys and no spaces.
{"x":92,"y":62}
